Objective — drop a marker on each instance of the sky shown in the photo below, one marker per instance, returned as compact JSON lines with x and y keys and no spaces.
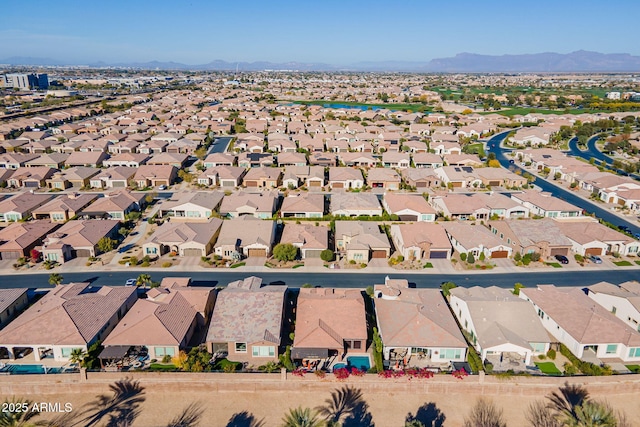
{"x":312,"y":31}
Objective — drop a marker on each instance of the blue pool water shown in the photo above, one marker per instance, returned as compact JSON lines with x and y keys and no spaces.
{"x":29,"y":369}
{"x":339,"y":366}
{"x":361,"y":362}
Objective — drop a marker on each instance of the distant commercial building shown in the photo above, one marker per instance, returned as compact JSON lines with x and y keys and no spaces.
{"x":24,"y":81}
{"x":613,"y":95}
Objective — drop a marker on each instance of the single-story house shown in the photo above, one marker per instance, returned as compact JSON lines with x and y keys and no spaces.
{"x":245,"y":236}
{"x":78,"y":238}
{"x":310,"y":239}
{"x":184,"y":238}
{"x":421,"y":241}
{"x":361,"y":241}
{"x":408,"y":207}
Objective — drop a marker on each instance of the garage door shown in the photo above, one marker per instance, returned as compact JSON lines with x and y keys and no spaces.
{"x":408,"y":217}
{"x":494,"y":183}
{"x":438,"y":255}
{"x":337,"y":185}
{"x":500,"y":254}
{"x":119,"y":184}
{"x":379,"y":254}
{"x":456,"y":184}
{"x":559,"y":251}
{"x":10,"y":255}
{"x":192,"y":252}
{"x":228,"y":184}
{"x":312,"y":253}
{"x":251,"y":183}
{"x":257,"y":252}
{"x":315,"y":184}
{"x":83,"y":253}
{"x":421,"y":184}
{"x":593,"y":251}
{"x":31,"y":184}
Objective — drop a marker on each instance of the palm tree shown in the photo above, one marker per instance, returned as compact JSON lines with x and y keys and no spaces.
{"x":122,"y":407}
{"x":77,"y":355}
{"x":567,"y":399}
{"x":301,"y":417}
{"x":341,"y":403}
{"x":143,"y":280}
{"x":592,"y":414}
{"x":21,"y":414}
{"x":55,"y":279}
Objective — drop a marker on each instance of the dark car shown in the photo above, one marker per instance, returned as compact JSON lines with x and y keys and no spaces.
{"x":562,"y":259}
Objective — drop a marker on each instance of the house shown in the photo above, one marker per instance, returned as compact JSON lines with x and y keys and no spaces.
{"x":330,"y":323}
{"x":471,"y":160}
{"x":408,"y":207}
{"x":477,"y":240}
{"x":262,"y":177}
{"x":12,"y":302}
{"x":176,"y":160}
{"x":589,"y":331}
{"x":310,"y":239}
{"x":223,"y":176}
{"x":64,"y":207}
{"x":544,"y":204}
{"x":244,"y":237}
{"x":322,"y":159}
{"x":311,"y":176}
{"x":480,"y":206}
{"x":392,"y":159}
{"x":531,"y":136}
{"x":622,"y":300}
{"x":184,"y":238}
{"x":259,"y":205}
{"x":420,"y":178}
{"x":78,"y":239}
{"x":254,"y":160}
{"x":115,"y":205}
{"x":501,"y":328}
{"x":292,"y":159}
{"x":421,"y":241}
{"x":303,"y":205}
{"x":360,"y":241}
{"x":355,"y":204}
{"x":589,"y":237}
{"x":247,"y":322}
{"x":165,"y":321}
{"x":498,"y":177}
{"x":16,"y":160}
{"x":155,"y":175}
{"x":383,"y":178}
{"x":542,"y":236}
{"x":416,"y":326}
{"x":356,"y":159}
{"x":31,"y":177}
{"x":92,"y":159}
{"x":53,"y":160}
{"x":132,"y":160}
{"x":345,"y":178}
{"x":427,"y":160}
{"x":20,"y":206}
{"x":17,"y":240}
{"x":67,"y":317}
{"x":75,"y":177}
{"x":115,"y":177}
{"x":219,"y":159}
{"x":458,"y":176}
{"x":192,"y":206}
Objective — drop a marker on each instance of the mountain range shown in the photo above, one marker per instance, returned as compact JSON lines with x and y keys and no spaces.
{"x":579,"y":61}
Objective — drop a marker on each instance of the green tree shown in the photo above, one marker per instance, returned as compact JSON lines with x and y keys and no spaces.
{"x":55,"y":279}
{"x":516,"y":288}
{"x":446,"y":288}
{"x":285,"y":252}
{"x":185,"y":176}
{"x":77,"y":355}
{"x":327,"y":255}
{"x":143,"y":280}
{"x":471,"y":258}
{"x":106,"y":244}
{"x":17,"y":413}
{"x":301,"y":417}
{"x":201,"y":153}
{"x":342,"y":403}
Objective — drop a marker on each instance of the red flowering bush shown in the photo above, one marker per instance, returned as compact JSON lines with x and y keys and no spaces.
{"x":460,"y":374}
{"x":341,"y":373}
{"x":298,"y":372}
{"x":357,"y":372}
{"x":410,"y":373}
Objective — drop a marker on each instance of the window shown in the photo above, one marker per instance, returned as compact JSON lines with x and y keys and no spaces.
{"x":614,"y":309}
{"x":262,"y":350}
{"x":634,"y":352}
{"x":241,"y":347}
{"x":66,"y":351}
{"x":52,"y":257}
{"x":152,"y":250}
{"x":537,"y":347}
{"x":450,"y":353}
{"x":612,"y":348}
{"x":541,"y":313}
{"x":164,"y":351}
{"x":193,"y":214}
{"x":357,"y":345}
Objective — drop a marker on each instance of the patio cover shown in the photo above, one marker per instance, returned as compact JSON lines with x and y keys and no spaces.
{"x":114,"y":352}
{"x":309,"y":353}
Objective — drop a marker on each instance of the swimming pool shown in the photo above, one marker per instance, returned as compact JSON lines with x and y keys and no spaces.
{"x":29,"y":369}
{"x":361,"y":362}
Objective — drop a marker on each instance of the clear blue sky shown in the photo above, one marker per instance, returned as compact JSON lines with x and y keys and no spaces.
{"x":335,"y":32}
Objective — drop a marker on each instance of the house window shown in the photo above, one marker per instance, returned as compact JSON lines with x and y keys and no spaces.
{"x":241,"y":347}
{"x":541,"y":313}
{"x":612,"y":348}
{"x":357,"y":345}
{"x":57,"y":216}
{"x":66,"y":351}
{"x":164,"y":351}
{"x":614,"y":309}
{"x":263,"y":351}
{"x":634,"y":352}
{"x":450,"y":353}
{"x":538,"y":347}
{"x":193,"y":214}
{"x":152,"y":251}
{"x":52,"y":257}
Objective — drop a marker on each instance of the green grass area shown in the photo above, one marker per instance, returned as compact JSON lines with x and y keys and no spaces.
{"x":623,"y":263}
{"x":553,"y":264}
{"x":637,"y":262}
{"x":238,"y":264}
{"x":634,"y":368}
{"x":475,"y":149}
{"x":522,"y":111}
{"x":548,"y":368}
{"x":298,"y":266}
{"x":428,"y":265}
{"x":224,"y":364}
{"x":404,"y":107}
{"x":163,"y":367}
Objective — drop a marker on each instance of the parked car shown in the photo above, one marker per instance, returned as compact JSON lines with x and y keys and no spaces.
{"x":130,"y":282}
{"x":595,"y":259}
{"x":562,"y":259}
{"x":162,"y":187}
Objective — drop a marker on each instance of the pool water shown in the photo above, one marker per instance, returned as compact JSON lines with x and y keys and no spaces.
{"x":29,"y":369}
{"x":361,"y":362}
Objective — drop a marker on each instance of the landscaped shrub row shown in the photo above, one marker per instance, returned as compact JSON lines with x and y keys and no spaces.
{"x":586,"y":368}
{"x":475,"y":363}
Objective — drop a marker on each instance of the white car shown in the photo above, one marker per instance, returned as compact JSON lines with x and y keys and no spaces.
{"x":130,"y":282}
{"x":162,"y":187}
